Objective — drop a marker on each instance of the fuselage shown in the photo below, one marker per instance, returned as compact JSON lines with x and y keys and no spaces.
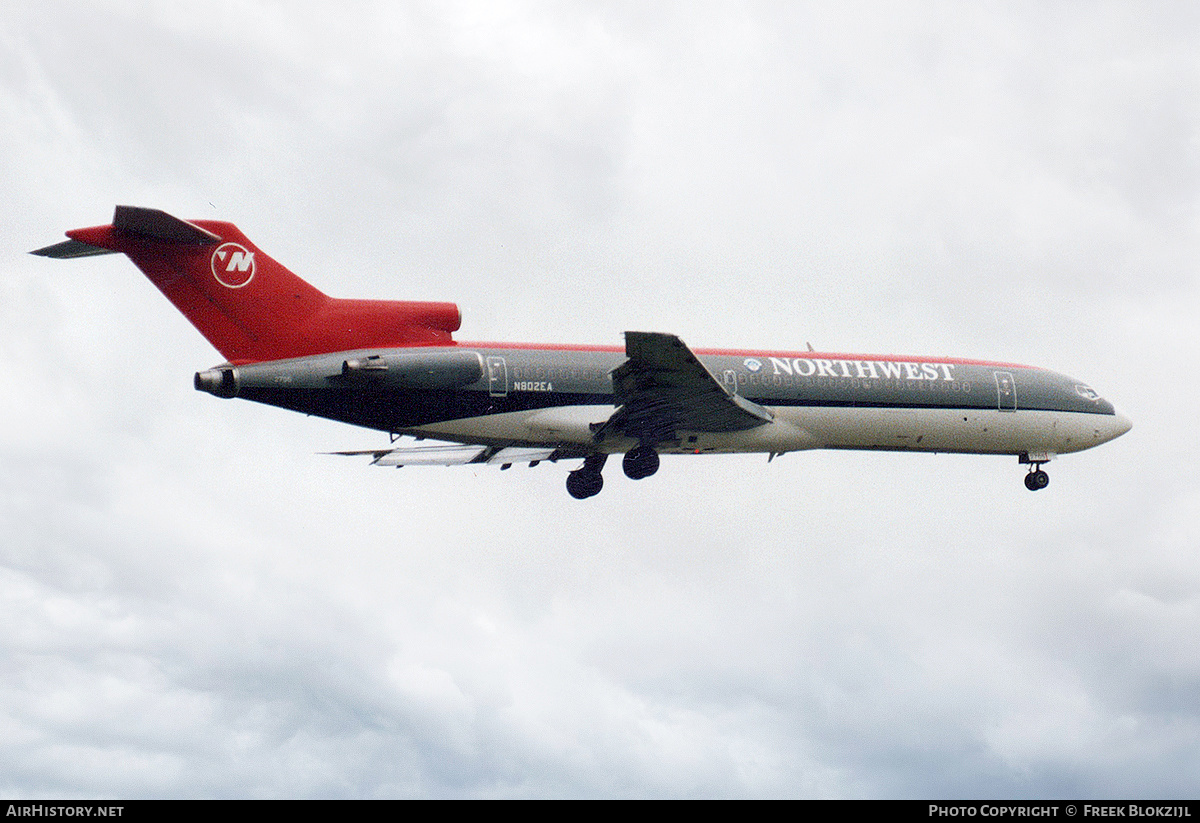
{"x":497,"y":393}
{"x":394,"y":366}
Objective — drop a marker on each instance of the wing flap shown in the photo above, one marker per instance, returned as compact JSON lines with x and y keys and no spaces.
{"x":443,"y":455}
{"x":456,"y":454}
{"x":521,"y":454}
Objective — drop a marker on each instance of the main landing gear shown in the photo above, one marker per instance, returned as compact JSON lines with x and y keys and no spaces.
{"x":640,"y":462}
{"x":587,"y":482}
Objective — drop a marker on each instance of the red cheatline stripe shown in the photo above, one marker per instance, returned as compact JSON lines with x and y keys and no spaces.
{"x":810,"y":355}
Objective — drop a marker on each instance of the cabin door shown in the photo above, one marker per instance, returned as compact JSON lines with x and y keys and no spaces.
{"x":1006,"y":391}
{"x":497,"y":371}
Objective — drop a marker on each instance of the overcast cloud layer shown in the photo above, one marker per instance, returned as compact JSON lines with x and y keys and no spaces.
{"x":193,"y":603}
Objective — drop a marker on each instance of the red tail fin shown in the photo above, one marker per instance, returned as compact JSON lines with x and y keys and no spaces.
{"x":246,"y":304}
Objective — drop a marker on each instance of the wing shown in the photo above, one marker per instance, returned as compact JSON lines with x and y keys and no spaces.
{"x":663,"y":388}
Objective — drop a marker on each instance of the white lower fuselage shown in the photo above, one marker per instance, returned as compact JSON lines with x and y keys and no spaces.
{"x":974,"y":431}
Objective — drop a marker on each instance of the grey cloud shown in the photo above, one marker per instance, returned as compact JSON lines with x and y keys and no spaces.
{"x":196,"y":604}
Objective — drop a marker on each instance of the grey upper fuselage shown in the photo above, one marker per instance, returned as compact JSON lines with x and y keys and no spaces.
{"x":402,"y":389}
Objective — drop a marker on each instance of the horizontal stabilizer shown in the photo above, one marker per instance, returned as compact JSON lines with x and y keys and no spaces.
{"x":132,"y":222}
{"x":68,"y":249}
{"x":158,"y":225}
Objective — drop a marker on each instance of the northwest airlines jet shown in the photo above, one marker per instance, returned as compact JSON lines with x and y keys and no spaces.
{"x":393,"y":366}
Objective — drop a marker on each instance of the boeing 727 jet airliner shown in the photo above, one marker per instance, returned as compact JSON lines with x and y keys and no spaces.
{"x":393,"y":366}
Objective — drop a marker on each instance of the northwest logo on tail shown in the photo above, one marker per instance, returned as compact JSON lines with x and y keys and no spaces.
{"x":232,"y":265}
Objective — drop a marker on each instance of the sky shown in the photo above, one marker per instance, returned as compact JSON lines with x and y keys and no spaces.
{"x":195,"y":603}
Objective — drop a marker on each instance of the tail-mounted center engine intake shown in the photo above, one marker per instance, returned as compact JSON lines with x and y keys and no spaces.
{"x":219,"y":382}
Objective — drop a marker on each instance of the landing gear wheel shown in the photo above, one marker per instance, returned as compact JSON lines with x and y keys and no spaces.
{"x":582,"y":483}
{"x":1037,"y":480}
{"x":640,"y":462}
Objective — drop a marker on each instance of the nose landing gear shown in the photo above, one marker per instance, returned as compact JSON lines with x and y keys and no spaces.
{"x":1036,"y":480}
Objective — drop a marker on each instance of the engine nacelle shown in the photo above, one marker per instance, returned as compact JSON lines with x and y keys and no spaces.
{"x":420,"y":370}
{"x":417,"y":370}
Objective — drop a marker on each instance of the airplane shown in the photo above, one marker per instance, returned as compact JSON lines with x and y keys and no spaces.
{"x":394,"y":366}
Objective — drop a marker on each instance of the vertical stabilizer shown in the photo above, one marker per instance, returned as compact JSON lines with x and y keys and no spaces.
{"x":250,"y":307}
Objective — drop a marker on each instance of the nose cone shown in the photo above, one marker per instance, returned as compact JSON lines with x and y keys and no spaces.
{"x":1116,"y":426}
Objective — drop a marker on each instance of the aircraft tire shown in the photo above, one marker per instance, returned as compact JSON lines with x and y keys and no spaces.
{"x":582,"y":484}
{"x":1037,"y":480}
{"x":640,"y":462}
